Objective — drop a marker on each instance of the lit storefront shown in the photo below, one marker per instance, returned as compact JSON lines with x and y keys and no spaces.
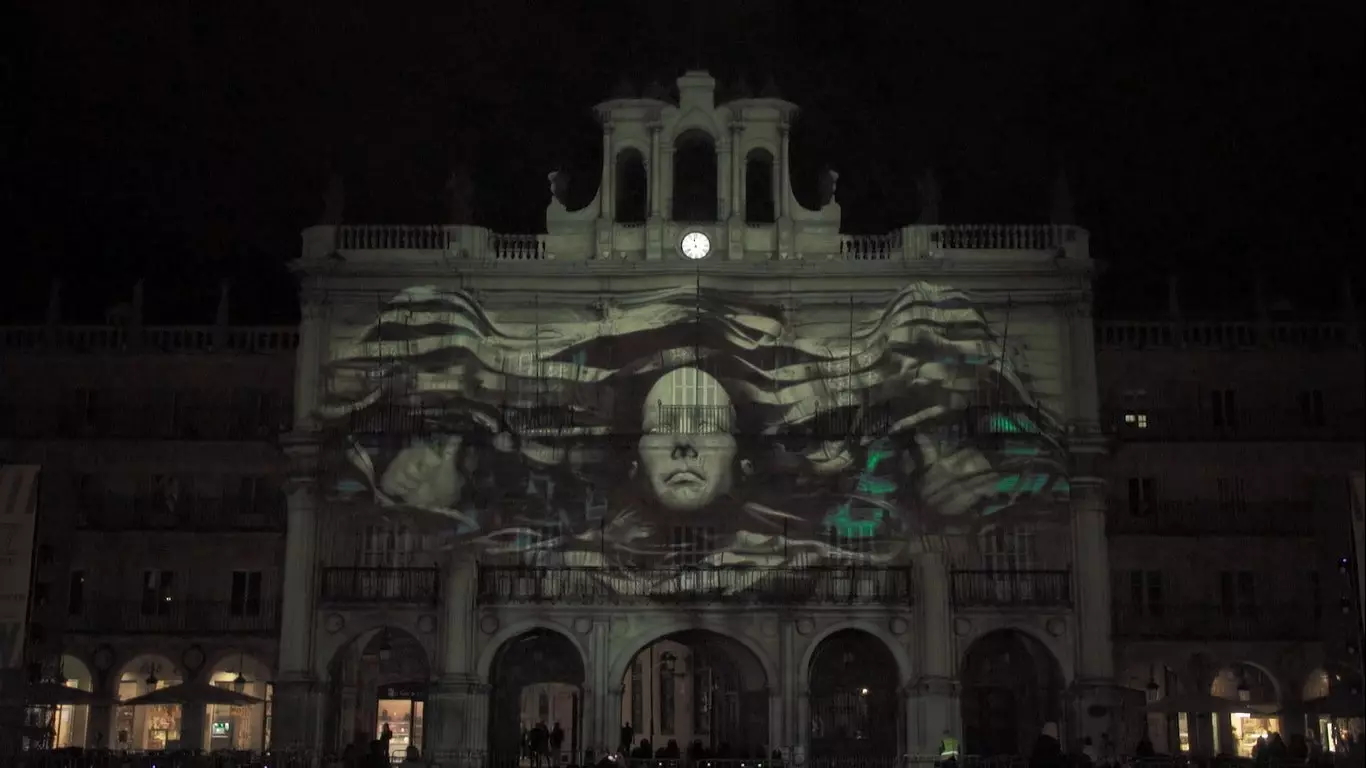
{"x":400,"y":708}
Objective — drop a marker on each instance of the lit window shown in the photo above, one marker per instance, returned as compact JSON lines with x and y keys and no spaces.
{"x":1136,"y":420}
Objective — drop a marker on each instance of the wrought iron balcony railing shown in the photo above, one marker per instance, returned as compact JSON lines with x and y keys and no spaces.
{"x":856,"y":585}
{"x":186,"y":514}
{"x":1246,"y":424}
{"x":207,"y":617}
{"x":1212,"y":517}
{"x":358,"y":585}
{"x":1012,"y":589}
{"x":140,"y":421}
{"x":1214,"y":622}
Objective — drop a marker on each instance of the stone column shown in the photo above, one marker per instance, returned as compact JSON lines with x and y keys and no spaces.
{"x":606,"y":203}
{"x":652,"y":172}
{"x":775,"y":721}
{"x":604,"y":693}
{"x":725,"y":179}
{"x":801,"y":741}
{"x":1091,"y":584}
{"x":932,"y":699}
{"x":192,"y":726}
{"x":737,"y":171}
{"x":99,"y":729}
{"x":456,"y":714}
{"x":293,"y":721}
{"x":308,"y":361}
{"x":785,"y":180}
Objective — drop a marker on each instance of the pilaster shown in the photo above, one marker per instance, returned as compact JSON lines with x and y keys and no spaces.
{"x":308,"y":360}
{"x":296,"y":712}
{"x":931,"y":701}
{"x":932,"y":709}
{"x":1091,"y":581}
{"x":456,"y":720}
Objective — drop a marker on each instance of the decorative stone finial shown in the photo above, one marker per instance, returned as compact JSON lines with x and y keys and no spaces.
{"x":655,"y":90}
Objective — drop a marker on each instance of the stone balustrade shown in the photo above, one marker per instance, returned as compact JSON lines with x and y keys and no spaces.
{"x":1177,"y":333}
{"x":905,"y":244}
{"x":174,"y":339}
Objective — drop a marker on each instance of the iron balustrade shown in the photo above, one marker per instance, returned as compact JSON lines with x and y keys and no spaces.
{"x":1213,"y":517}
{"x":1137,"y":423}
{"x":381,"y":585}
{"x":1215,"y":621}
{"x":208,"y":617}
{"x":1012,"y":589}
{"x":142,"y":421}
{"x":833,"y":585}
{"x":188,"y":514}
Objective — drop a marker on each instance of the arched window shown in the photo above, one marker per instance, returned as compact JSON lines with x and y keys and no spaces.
{"x":694,"y":187}
{"x":760,"y":205}
{"x":632,"y":187}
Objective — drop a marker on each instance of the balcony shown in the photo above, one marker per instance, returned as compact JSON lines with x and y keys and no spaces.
{"x":1012,"y":589}
{"x":360,"y":585}
{"x":1185,"y":334}
{"x":858,"y":585}
{"x":142,"y":421}
{"x":1211,"y":622}
{"x":188,"y":514}
{"x":1138,"y":424}
{"x":177,"y":617}
{"x":1210,"y":517}
{"x":168,"y":339}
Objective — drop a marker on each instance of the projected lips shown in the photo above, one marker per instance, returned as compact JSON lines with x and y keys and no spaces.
{"x":690,"y":428}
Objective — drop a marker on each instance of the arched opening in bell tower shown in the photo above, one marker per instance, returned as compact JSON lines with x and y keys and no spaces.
{"x":632,"y":187}
{"x":694,"y":187}
{"x":760,"y":205}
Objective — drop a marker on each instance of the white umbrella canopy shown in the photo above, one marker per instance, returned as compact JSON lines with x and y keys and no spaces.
{"x":1201,"y":703}
{"x":192,"y":694}
{"x":50,"y":695}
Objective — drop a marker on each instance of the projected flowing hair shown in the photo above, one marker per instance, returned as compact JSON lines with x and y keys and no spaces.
{"x":914,"y":387}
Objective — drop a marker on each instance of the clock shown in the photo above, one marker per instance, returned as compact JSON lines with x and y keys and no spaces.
{"x":695,"y":245}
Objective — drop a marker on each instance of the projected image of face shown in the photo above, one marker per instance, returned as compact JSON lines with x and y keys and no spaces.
{"x":687,"y":452}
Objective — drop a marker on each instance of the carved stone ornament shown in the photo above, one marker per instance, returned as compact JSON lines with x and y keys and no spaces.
{"x":805,"y":626}
{"x":426,"y":624}
{"x":334,"y":623}
{"x":488,"y":624}
{"x":898,"y":625}
{"x":1056,"y":626}
{"x":193,"y":660}
{"x":583,"y":625}
{"x":103,"y":658}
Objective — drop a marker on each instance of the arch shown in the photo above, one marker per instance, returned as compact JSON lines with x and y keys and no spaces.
{"x":760,"y":194}
{"x":378,"y":665}
{"x":71,"y":722}
{"x":1317,"y":685}
{"x":1262,"y":686}
{"x":484,"y":666}
{"x":1155,"y":680}
{"x":697,"y":687}
{"x":855,"y":710}
{"x":903,"y":661}
{"x":1012,"y":684}
{"x":525,"y":667}
{"x":1056,"y":646}
{"x":616,"y":670}
{"x":695,"y":185}
{"x":145,"y":728}
{"x":631,"y":187}
{"x":238,"y":727}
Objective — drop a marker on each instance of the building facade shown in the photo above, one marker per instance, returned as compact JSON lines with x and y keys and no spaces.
{"x":1230,"y":516}
{"x":161,"y":520}
{"x":695,"y":465}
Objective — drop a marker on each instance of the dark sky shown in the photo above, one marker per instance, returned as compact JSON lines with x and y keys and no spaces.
{"x":188,"y":140}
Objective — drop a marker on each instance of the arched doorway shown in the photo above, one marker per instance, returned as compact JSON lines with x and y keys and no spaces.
{"x":146,"y":728}
{"x":1012,"y":686}
{"x":537,"y":677}
{"x":760,"y":200}
{"x":854,"y":707}
{"x":1237,"y":733}
{"x":379,"y":679}
{"x":632,"y":187}
{"x":1165,"y":730}
{"x":697,"y":690}
{"x":694,"y":187}
{"x":244,"y":728}
{"x":71,"y":721}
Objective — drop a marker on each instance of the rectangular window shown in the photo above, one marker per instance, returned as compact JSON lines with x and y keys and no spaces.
{"x":1223,"y":405}
{"x":1006,"y":550}
{"x":158,"y":592}
{"x":386,"y":546}
{"x":1238,"y":593}
{"x":1142,"y":496}
{"x":1145,"y":592}
{"x":1311,"y":408}
{"x":691,"y":544}
{"x":75,"y":594}
{"x":246,"y":593}
{"x":1136,"y":419}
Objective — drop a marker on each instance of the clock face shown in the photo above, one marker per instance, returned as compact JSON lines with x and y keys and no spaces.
{"x":695,"y":245}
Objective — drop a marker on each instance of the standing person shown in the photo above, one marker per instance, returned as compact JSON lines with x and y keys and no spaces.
{"x":628,"y":737}
{"x":948,"y":749}
{"x":385,"y":736}
{"x":556,"y":741}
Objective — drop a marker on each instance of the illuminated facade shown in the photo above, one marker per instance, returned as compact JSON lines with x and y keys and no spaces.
{"x":1229,"y":512}
{"x":161,"y":521}
{"x":695,"y":461}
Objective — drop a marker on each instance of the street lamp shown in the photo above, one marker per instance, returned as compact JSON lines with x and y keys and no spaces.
{"x":385,"y":650}
{"x":1153,"y":689}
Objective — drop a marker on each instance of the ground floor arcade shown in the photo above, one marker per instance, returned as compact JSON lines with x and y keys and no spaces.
{"x":718,"y":683}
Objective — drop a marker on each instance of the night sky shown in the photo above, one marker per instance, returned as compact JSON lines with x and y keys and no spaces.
{"x":190,"y":140}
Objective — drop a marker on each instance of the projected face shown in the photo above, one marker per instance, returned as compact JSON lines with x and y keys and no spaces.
{"x":687,"y":452}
